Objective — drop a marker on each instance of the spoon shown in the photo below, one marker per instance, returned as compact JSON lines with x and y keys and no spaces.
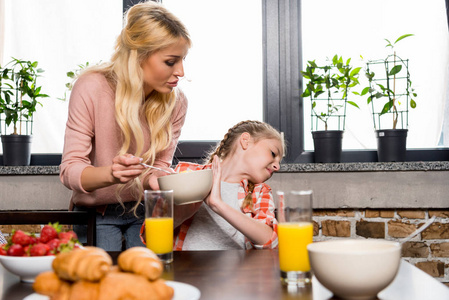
{"x":152,"y":167}
{"x":419,"y":230}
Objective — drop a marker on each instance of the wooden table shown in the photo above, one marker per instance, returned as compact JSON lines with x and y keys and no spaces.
{"x":254,"y":274}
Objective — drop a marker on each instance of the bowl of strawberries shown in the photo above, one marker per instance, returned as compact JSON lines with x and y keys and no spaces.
{"x":26,"y":255}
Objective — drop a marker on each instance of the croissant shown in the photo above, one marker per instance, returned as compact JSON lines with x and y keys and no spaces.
{"x":87,"y":263}
{"x":142,"y":261}
{"x":129,"y":286}
{"x":63,"y":292}
{"x":85,"y":290}
{"x":47,"y":283}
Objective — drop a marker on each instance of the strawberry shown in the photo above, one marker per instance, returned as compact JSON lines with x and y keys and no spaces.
{"x":34,"y":239}
{"x":64,"y":242}
{"x":39,"y":249}
{"x":16,"y":250}
{"x":21,"y":238}
{"x":53,"y":246}
{"x":68,"y":235}
{"x":26,"y":250}
{"x":49,"y":232}
{"x":3,"y":250}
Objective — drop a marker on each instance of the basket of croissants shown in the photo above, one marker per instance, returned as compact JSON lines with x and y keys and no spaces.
{"x":88,"y":274}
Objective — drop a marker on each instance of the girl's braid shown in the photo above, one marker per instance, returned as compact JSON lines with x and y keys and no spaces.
{"x":223,"y":148}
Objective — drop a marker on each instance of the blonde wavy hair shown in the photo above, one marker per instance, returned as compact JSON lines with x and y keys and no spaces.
{"x":148,"y":28}
{"x":227,"y":146}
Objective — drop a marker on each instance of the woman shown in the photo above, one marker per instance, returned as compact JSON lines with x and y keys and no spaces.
{"x":122,"y":113}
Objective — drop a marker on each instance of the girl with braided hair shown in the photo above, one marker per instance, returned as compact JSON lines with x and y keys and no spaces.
{"x":239,"y":211}
{"x":121,"y":113}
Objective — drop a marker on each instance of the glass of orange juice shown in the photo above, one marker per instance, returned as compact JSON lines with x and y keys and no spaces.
{"x":159,"y":223}
{"x":295,"y":232}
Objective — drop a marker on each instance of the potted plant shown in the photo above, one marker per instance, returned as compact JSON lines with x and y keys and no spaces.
{"x":328,"y":87}
{"x":390,"y":95}
{"x":19,"y":95}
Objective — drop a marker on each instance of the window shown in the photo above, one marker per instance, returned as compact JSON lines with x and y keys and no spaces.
{"x":360,"y":29}
{"x":261,"y":63}
{"x":60,"y":35}
{"x":285,"y":107}
{"x":223,"y":70}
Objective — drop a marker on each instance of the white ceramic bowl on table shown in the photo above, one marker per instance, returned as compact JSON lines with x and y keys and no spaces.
{"x":188,"y":187}
{"x":355,"y":269}
{"x":27,"y":267}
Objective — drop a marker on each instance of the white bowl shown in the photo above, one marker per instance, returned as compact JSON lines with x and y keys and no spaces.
{"x":188,"y":187}
{"x":27,"y":267}
{"x":355,"y":269}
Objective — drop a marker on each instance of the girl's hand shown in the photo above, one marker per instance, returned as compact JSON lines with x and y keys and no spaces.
{"x":214,"y":198}
{"x":125,"y":168}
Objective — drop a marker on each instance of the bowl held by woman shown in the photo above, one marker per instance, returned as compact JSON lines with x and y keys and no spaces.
{"x":188,"y":187}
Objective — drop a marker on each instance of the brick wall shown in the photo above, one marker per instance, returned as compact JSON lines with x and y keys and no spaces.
{"x":429,"y":251}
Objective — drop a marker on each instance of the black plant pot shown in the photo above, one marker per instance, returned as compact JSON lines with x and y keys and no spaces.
{"x":327,"y":145}
{"x":391,"y":145}
{"x":16,"y":150}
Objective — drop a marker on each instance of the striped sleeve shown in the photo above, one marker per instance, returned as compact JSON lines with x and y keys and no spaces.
{"x":264,"y":211}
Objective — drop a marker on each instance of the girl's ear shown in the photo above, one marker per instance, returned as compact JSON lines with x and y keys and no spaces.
{"x":244,"y":140}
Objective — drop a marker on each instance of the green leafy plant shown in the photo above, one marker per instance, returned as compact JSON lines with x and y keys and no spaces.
{"x":72,"y":75}
{"x":19,"y":92}
{"x":387,"y":87}
{"x":330,"y":84}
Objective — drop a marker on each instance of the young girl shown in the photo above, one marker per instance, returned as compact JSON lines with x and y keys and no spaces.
{"x":239,"y":211}
{"x":122,"y":113}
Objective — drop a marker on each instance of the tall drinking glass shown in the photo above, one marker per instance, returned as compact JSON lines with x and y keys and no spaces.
{"x":159,"y":223}
{"x":295,"y":232}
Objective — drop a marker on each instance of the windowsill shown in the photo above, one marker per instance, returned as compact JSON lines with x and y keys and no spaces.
{"x":366,"y":167}
{"x":29,"y":170}
{"x":285,"y":168}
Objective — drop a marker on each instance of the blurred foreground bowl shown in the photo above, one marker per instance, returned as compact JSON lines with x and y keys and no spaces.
{"x":355,"y":269}
{"x":188,"y":187}
{"x":27,"y":267}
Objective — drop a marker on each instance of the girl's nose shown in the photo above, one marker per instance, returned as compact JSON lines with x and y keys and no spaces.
{"x":276,"y":166}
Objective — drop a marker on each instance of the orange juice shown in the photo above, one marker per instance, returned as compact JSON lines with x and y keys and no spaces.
{"x":293,"y":241}
{"x":159,"y":234}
